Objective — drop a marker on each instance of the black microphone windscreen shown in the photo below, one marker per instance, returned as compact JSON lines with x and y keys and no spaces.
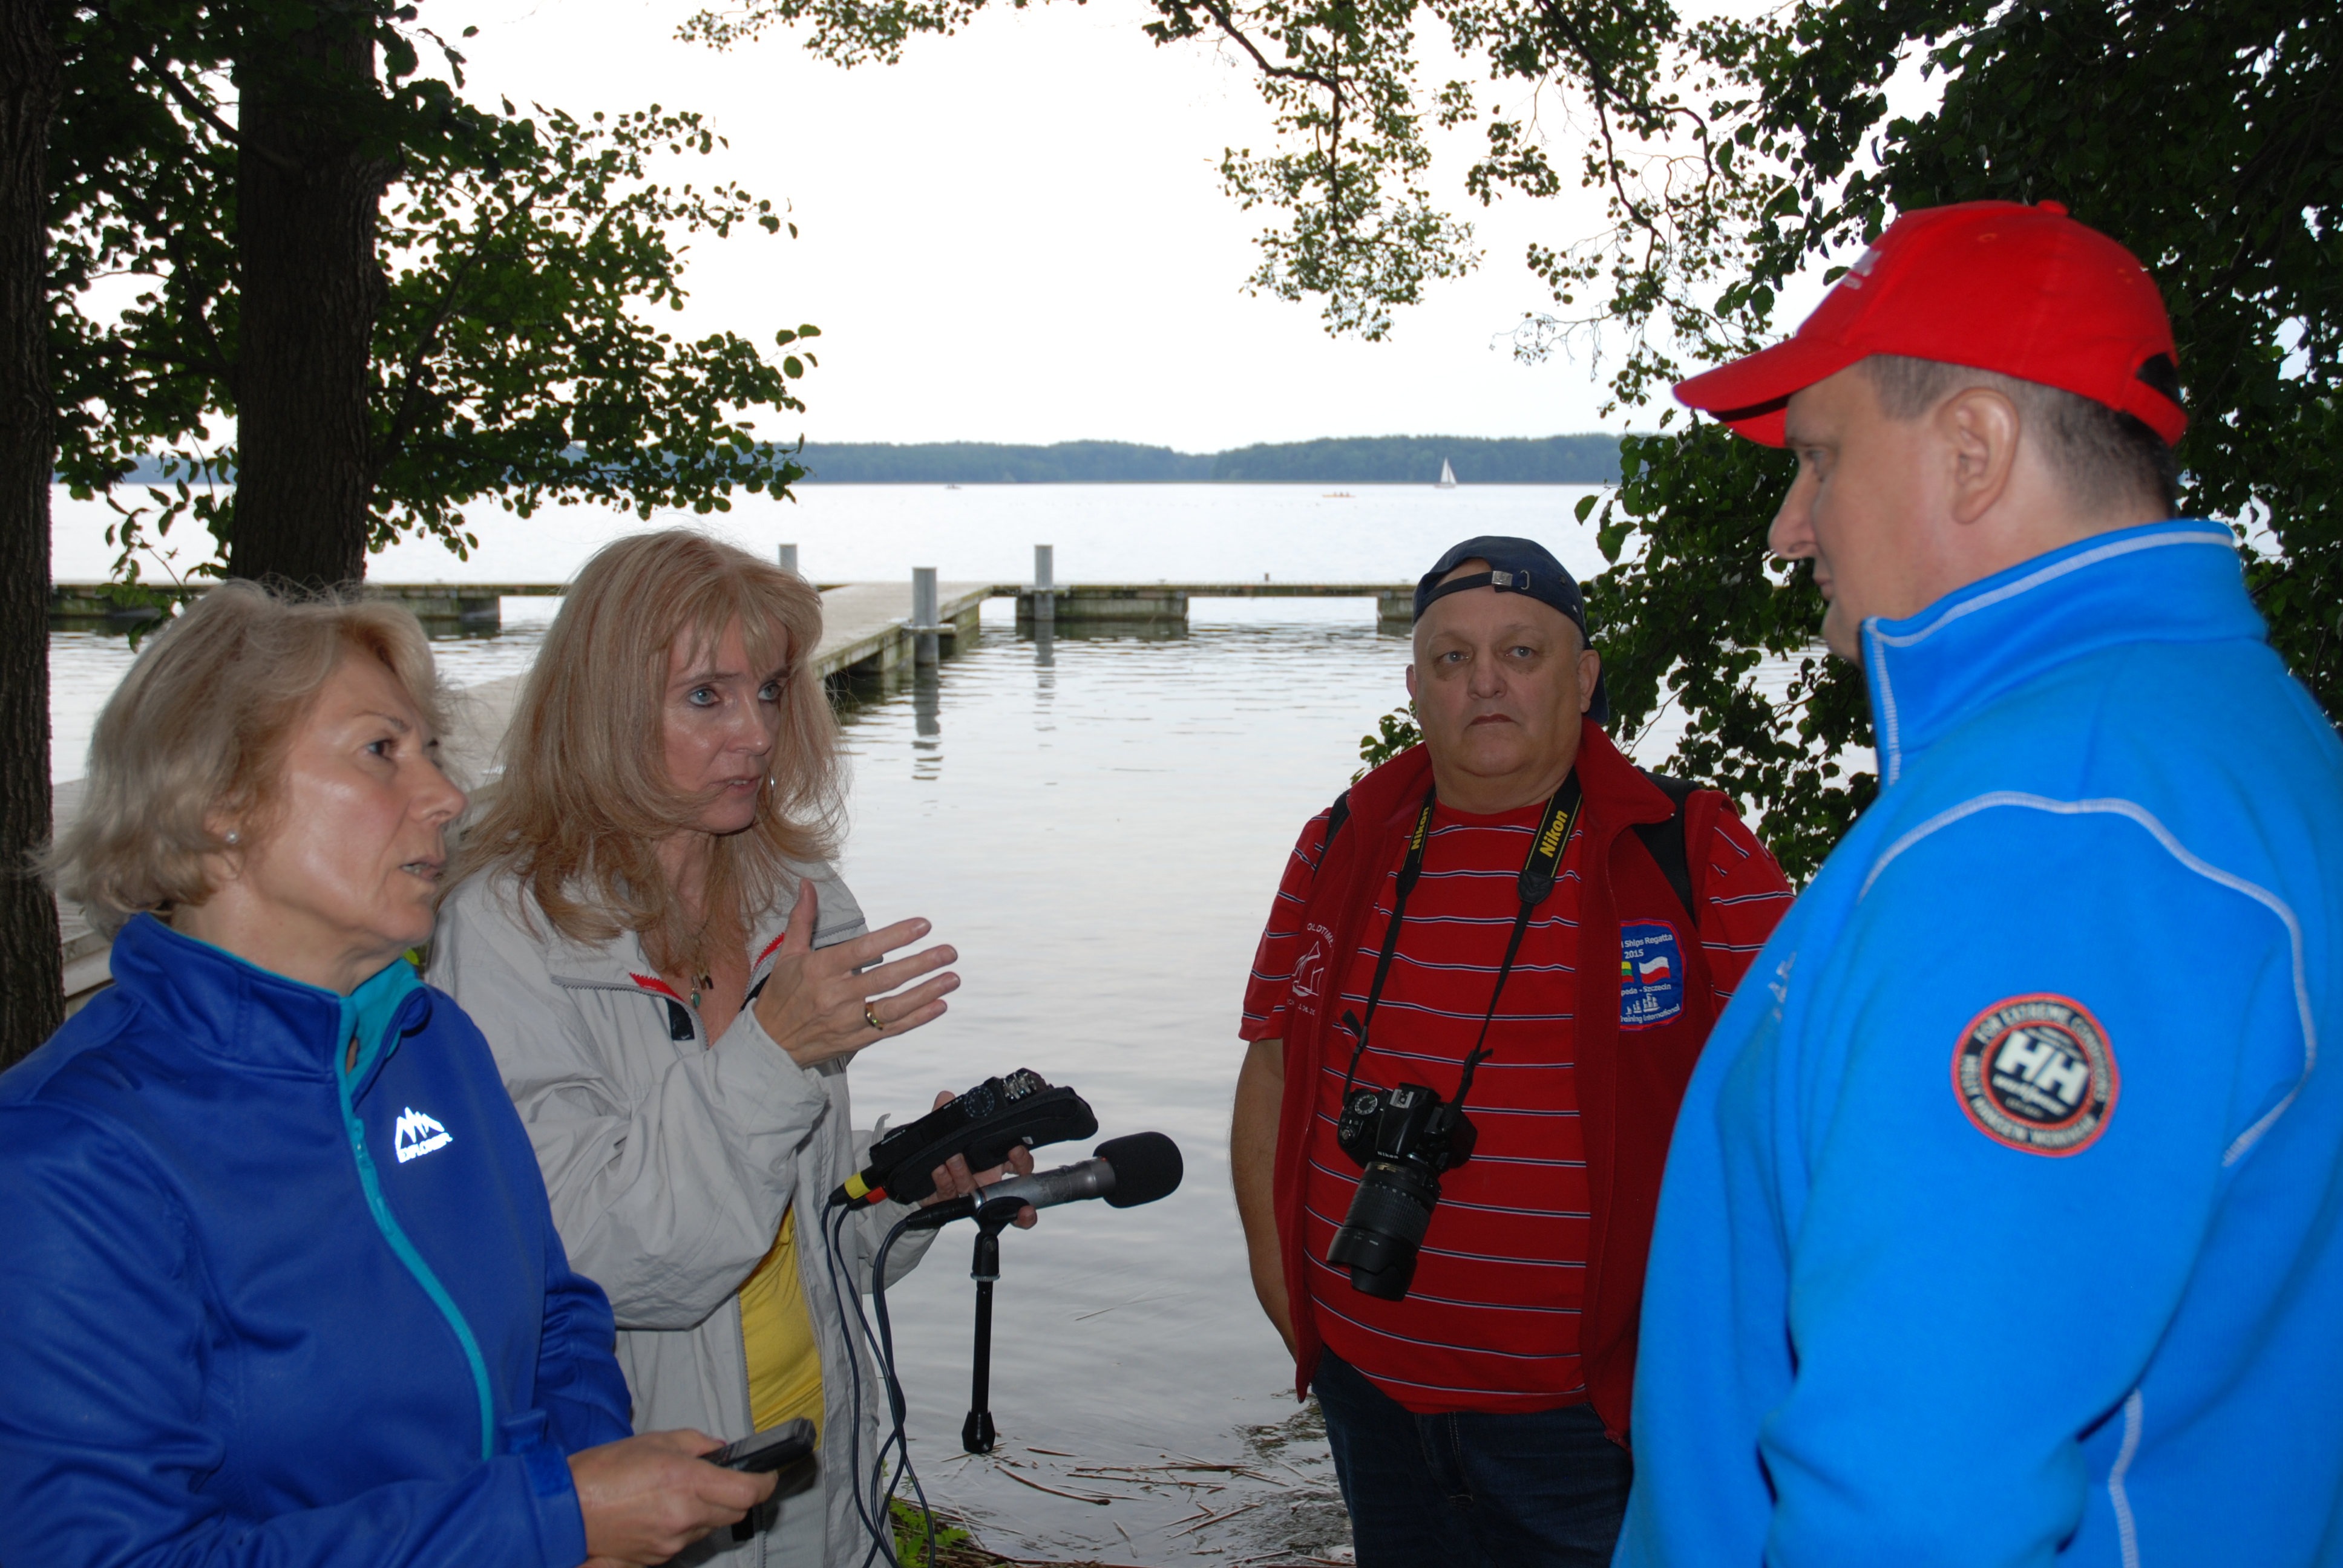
{"x":1146,"y":1167}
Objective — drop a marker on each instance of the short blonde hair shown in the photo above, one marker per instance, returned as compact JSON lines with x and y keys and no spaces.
{"x":584,"y":797}
{"x":195,"y":737}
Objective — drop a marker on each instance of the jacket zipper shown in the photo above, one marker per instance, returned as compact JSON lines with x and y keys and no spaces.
{"x":388,"y":1225}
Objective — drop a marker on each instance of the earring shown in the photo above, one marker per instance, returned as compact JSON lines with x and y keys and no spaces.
{"x":233,"y":837}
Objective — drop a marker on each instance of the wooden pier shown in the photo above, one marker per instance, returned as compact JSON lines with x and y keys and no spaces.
{"x":478,"y":606}
{"x":467,"y":607}
{"x":1093,"y":604}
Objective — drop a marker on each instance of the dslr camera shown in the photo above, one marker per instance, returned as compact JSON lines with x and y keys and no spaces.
{"x":1403,"y":1139}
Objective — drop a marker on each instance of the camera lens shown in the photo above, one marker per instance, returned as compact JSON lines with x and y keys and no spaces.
{"x":1389,"y":1214}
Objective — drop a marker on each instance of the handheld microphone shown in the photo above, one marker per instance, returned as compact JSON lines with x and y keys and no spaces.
{"x":1125,"y":1171}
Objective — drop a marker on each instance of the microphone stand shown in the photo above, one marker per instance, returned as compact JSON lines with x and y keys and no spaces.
{"x":976,"y":1433}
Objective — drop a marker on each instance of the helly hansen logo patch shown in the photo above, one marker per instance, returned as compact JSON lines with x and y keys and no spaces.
{"x":419,"y":1135}
{"x":2036,"y":1073}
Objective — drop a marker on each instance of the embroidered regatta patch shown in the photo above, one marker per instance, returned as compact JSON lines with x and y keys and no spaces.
{"x":2036,"y":1072}
{"x":1651,"y":974}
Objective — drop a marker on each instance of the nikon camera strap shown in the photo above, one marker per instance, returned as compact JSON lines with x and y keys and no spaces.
{"x":1538,"y":874}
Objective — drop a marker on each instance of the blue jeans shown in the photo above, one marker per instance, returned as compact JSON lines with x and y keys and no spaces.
{"x":1473,"y":1489}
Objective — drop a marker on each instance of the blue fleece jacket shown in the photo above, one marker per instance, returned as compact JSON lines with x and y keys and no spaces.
{"x":2004,"y":1219}
{"x":256,"y":1311}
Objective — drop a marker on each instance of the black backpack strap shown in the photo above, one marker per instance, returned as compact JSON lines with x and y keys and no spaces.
{"x":1665,"y":840}
{"x":1336,"y":815}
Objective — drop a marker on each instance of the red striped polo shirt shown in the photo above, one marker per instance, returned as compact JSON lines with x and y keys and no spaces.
{"x":1491,"y":1322}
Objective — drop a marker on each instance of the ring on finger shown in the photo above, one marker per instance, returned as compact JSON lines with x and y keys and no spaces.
{"x":871,"y":1018}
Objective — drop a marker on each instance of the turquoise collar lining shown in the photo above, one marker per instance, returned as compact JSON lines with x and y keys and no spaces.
{"x":367,"y":1011}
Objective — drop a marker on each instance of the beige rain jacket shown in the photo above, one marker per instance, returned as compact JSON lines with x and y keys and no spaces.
{"x":670,"y":1160}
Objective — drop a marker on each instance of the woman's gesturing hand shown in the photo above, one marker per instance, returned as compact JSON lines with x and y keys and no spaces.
{"x":647,"y":1498}
{"x":814,"y":1005}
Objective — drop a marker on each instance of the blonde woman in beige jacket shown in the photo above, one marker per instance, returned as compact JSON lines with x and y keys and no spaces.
{"x":647,"y":928}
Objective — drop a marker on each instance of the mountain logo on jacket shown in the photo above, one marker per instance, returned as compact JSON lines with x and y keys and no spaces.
{"x":419,"y":1135}
{"x":2036,"y":1073}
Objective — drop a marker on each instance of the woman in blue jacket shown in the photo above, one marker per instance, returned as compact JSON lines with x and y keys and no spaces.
{"x":280,"y":1281}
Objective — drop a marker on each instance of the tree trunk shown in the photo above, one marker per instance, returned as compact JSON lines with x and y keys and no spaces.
{"x":31,"y":972}
{"x":309,"y":200}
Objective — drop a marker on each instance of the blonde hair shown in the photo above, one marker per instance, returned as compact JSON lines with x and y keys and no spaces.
{"x":584,"y":797}
{"x":194,"y":740}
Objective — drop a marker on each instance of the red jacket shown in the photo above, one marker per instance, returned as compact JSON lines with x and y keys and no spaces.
{"x":1627,"y":1100}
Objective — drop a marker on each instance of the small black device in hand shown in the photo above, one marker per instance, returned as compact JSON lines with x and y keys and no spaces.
{"x":1020,"y":1111}
{"x":1403,"y":1139}
{"x":774,"y":1448}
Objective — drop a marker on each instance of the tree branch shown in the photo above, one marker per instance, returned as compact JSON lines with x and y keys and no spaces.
{"x":1221,"y":15}
{"x":185,"y":98}
{"x":410,"y":393}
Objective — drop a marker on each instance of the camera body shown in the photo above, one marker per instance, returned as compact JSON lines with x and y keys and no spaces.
{"x":1403,"y":1139}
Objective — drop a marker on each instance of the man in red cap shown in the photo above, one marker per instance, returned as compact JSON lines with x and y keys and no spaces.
{"x":2001,"y":1218}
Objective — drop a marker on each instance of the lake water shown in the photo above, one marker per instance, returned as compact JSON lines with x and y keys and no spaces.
{"x":867,"y":533}
{"x":1104,"y":533}
{"x":1098,"y":825}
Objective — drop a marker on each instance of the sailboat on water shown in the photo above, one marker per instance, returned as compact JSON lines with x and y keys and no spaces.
{"x":1447,"y":476}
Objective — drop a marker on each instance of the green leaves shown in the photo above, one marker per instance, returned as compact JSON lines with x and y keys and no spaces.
{"x":513,"y":356}
{"x":1394,"y":732}
{"x":1688,"y":625}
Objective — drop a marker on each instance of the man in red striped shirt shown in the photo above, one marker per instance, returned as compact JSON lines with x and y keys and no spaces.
{"x":1482,"y":1418}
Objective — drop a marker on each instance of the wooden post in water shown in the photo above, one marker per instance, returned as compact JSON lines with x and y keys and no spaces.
{"x":1045,"y":601}
{"x":789,"y":558}
{"x":923,"y":615}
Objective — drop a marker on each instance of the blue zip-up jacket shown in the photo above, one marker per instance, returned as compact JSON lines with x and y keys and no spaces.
{"x":255,"y":1310}
{"x":2004,"y":1219}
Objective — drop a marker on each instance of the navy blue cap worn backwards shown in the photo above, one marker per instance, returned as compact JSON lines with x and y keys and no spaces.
{"x":1515,"y":565}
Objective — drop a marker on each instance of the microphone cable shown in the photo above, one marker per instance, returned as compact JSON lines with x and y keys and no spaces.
{"x":875,"y":1512}
{"x":835,"y":1222}
{"x":897,"y":1406}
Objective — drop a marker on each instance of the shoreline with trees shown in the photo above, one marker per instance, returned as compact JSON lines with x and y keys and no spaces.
{"x":1591,"y":458}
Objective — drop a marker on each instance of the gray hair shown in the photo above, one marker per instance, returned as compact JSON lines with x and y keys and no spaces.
{"x":2107,"y":457}
{"x":194,"y":740}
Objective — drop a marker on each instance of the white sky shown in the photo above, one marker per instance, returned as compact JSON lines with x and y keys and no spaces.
{"x":1018,"y":234}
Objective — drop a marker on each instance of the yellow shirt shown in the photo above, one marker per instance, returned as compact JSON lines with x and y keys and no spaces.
{"x":776,"y":1333}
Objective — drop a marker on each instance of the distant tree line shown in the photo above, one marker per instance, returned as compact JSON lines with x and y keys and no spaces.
{"x":1353,"y":460}
{"x":1592,"y":459}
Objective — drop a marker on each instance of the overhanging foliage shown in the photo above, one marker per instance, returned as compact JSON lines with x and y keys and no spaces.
{"x":521,"y":264}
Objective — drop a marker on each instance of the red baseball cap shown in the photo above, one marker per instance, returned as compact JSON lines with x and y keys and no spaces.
{"x":2026,"y":291}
